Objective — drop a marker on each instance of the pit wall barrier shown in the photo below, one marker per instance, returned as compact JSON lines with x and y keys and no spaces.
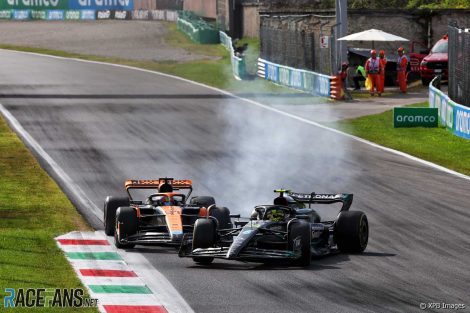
{"x":197,"y":29}
{"x":454,"y":116}
{"x":311,"y":82}
{"x":238,"y":63}
{"x":33,"y":14}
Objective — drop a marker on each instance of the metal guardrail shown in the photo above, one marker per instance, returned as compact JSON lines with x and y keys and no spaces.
{"x":311,"y":82}
{"x":454,"y":116}
{"x":459,"y":64}
{"x":238,"y":63}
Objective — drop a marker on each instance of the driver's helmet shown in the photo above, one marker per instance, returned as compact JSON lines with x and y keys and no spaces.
{"x":281,"y":201}
{"x":275,"y":215}
{"x":288,"y":201}
{"x":163,"y":200}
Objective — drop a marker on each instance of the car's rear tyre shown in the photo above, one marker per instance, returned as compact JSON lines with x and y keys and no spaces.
{"x":111,"y":204}
{"x":222,"y":215}
{"x":351,"y":231}
{"x":202,"y":201}
{"x":204,"y":235}
{"x":301,"y":230}
{"x":126,"y":225}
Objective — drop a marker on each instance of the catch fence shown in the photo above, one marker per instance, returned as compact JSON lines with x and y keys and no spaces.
{"x":301,"y":41}
{"x":459,"y":64}
{"x":288,"y":47}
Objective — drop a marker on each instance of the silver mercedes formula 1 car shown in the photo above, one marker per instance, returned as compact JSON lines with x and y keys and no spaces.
{"x":290,"y":229}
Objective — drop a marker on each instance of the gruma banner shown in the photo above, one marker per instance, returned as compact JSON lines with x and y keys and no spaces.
{"x":127,"y":5}
{"x":101,"y":4}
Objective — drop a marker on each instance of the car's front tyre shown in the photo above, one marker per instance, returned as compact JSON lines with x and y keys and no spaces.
{"x":300,"y":233}
{"x":111,"y":204}
{"x":126,"y":225}
{"x":204,"y":236}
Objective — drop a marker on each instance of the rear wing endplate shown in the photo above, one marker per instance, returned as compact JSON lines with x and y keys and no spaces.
{"x":312,"y":198}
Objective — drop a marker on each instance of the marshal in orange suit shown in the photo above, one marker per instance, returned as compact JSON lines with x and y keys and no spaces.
{"x":383,"y":63}
{"x":402,"y":63}
{"x":373,"y":70}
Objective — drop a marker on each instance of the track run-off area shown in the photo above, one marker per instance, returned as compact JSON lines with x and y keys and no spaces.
{"x":94,"y":125}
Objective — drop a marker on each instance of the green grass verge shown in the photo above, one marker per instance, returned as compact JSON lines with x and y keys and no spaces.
{"x":178,"y":39}
{"x":33,"y":210}
{"x":436,"y":145}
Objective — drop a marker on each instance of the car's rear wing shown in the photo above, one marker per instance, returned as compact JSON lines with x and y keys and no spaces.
{"x":312,"y":198}
{"x":176,"y":184}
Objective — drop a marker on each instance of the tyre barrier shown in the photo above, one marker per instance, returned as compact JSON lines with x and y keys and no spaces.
{"x":238,"y":63}
{"x":336,"y":88}
{"x":308,"y":81}
{"x":454,"y":116}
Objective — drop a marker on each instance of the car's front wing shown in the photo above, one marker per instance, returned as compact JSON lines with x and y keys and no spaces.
{"x":152,"y":238}
{"x":246,"y":254}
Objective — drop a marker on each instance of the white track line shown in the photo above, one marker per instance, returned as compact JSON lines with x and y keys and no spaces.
{"x":118,"y":281}
{"x":70,"y":184}
{"x":85,"y":236}
{"x":127,"y":299}
{"x":73,"y":248}
{"x":301,"y":119}
{"x":100,"y":264}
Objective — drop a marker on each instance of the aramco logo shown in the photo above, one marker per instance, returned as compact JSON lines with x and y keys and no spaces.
{"x":415,"y":117}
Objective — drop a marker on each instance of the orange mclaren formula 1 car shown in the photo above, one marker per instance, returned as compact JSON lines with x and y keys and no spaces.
{"x":162,"y":217}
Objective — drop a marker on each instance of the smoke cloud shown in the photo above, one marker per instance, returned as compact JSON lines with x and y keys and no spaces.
{"x":263,"y":150}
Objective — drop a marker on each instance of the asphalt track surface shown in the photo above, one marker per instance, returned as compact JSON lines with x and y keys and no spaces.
{"x":104,"y":124}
